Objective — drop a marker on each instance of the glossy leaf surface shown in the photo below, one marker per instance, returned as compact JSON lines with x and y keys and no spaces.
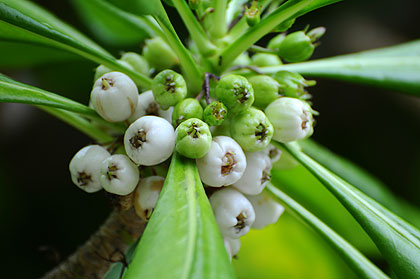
{"x":356,"y":260}
{"x":398,"y":246}
{"x":25,"y":22}
{"x":396,"y":68}
{"x":182,"y":239}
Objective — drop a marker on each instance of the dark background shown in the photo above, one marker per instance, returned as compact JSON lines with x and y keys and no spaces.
{"x":41,"y":211}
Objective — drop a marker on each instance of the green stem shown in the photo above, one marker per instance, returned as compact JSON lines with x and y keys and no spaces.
{"x":197,"y":32}
{"x":79,"y":123}
{"x":356,"y":260}
{"x":255,"y":33}
{"x":192,"y":73}
{"x":218,"y":26}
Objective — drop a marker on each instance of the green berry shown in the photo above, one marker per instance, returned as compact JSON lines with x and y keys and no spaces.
{"x":252,"y":14}
{"x":215,"y":113}
{"x":235,"y":92}
{"x":138,"y":62}
{"x":293,"y":84}
{"x":242,"y":60}
{"x":265,"y":60}
{"x":266,"y":90}
{"x":296,"y":47}
{"x":159,"y":55}
{"x":275,"y":42}
{"x":186,"y":109}
{"x":101,"y":69}
{"x":169,"y":88}
{"x":252,"y":130}
{"x":193,"y":138}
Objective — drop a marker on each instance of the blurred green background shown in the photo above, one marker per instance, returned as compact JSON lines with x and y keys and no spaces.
{"x":44,"y":217}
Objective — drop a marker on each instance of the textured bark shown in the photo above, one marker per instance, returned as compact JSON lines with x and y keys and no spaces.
{"x":107,"y":245}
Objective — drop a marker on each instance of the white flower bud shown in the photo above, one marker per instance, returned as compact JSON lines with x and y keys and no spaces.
{"x":224,"y":164}
{"x":101,"y":69}
{"x":291,"y":118}
{"x":146,"y":195}
{"x":267,"y":211}
{"x":150,"y":140}
{"x":146,"y":105}
{"x":273,"y":153}
{"x":119,"y":175}
{"x":114,"y":96}
{"x":232,"y":246}
{"x":233,"y":212}
{"x":85,"y":167}
{"x":256,"y":175}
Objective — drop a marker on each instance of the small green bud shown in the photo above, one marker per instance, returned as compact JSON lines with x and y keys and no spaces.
{"x":102,"y":70}
{"x":275,"y":42}
{"x":235,"y":92}
{"x":266,"y":90}
{"x":215,"y":113}
{"x":159,"y":55}
{"x":242,"y":60}
{"x":265,"y":60}
{"x":293,"y":84}
{"x":193,"y":138}
{"x":252,"y":130}
{"x":169,"y":88}
{"x":296,"y":47}
{"x":283,"y":27}
{"x":186,"y":109}
{"x":252,"y":14}
{"x":137,"y":62}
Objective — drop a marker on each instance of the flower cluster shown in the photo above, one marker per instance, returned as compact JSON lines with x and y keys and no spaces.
{"x":226,"y":128}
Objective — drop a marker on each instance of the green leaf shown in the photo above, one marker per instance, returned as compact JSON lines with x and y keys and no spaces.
{"x":289,"y":10}
{"x":121,"y":29}
{"x":300,"y":184}
{"x":396,"y":68}
{"x":36,"y":55}
{"x":360,"y":179}
{"x":351,"y":173}
{"x":182,"y":239}
{"x":15,"y":92}
{"x":356,"y":260}
{"x":398,"y":246}
{"x":154,"y":8}
{"x":44,"y":29}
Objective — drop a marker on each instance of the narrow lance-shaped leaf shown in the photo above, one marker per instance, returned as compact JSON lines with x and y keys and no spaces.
{"x":121,"y":28}
{"x":154,"y":8}
{"x":398,"y":246}
{"x":12,"y":91}
{"x":16,"y":25}
{"x":360,"y":179}
{"x":15,"y":92}
{"x":356,"y":260}
{"x":396,"y":68}
{"x":182,"y":239}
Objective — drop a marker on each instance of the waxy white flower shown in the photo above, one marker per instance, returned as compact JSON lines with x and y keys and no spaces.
{"x":267,"y":211}
{"x":273,"y":153}
{"x":85,"y":167}
{"x":224,"y":164}
{"x":146,"y":105}
{"x":291,"y":118}
{"x":119,"y":175}
{"x":146,"y":195}
{"x":232,"y":246}
{"x":149,"y":140}
{"x":256,"y":175}
{"x":233,"y":212}
{"x":114,"y":96}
